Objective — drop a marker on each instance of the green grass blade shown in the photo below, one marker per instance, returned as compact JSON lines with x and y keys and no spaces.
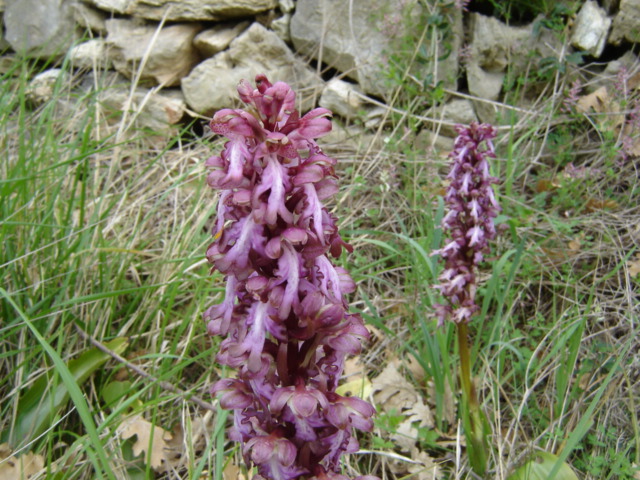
{"x":102,"y":463}
{"x":39,"y":406}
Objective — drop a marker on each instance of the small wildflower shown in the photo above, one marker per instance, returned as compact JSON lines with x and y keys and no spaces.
{"x":571,"y":100}
{"x":620,"y":83}
{"x":462,"y":4}
{"x":465,"y":54}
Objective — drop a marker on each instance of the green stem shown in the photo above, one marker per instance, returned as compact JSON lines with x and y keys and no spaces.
{"x":465,"y":364}
{"x":475,"y":423}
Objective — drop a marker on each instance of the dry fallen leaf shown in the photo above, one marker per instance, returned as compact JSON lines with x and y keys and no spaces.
{"x":232,"y":472}
{"x":601,"y":102}
{"x":598,"y":101}
{"x":22,"y":467}
{"x":427,"y":469}
{"x":595,"y":205}
{"x":357,"y":382}
{"x":392,"y":392}
{"x":161,"y":445}
{"x":634,"y":265}
{"x":546,"y":185}
{"x":576,"y":244}
{"x":632,"y":148}
{"x":415,"y":368}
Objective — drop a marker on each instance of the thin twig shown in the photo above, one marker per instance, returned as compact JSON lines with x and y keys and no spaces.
{"x":166,"y":385}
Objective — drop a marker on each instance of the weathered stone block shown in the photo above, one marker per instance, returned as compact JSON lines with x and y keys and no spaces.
{"x":164,"y":56}
{"x":39,"y":28}
{"x":353,"y":40}
{"x":626,"y":24}
{"x":181,"y":10}
{"x":591,"y":28}
{"x":212,"y":84}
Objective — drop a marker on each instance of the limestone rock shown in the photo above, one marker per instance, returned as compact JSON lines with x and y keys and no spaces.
{"x":39,"y":28}
{"x":429,"y":141}
{"x":342,"y":98}
{"x":165,"y":56}
{"x":42,"y":87}
{"x":282,"y":27}
{"x":214,"y":40}
{"x":212,"y":84}
{"x":457,"y":111}
{"x":493,"y":47}
{"x":91,"y":54}
{"x":4,"y":45}
{"x":89,"y":18}
{"x":591,"y":28}
{"x":286,"y":6}
{"x":180,"y":10}
{"x":345,"y":99}
{"x":352,"y":38}
{"x":627,"y":61}
{"x":156,"y":111}
{"x":626,"y":24}
{"x":113,"y":6}
{"x":496,"y":46}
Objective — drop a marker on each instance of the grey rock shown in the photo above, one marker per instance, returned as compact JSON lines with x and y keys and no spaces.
{"x":113,"y":6}
{"x":628,"y":61}
{"x":610,"y":5}
{"x":352,"y":39}
{"x":91,"y":54}
{"x":42,"y":87}
{"x":346,"y":100}
{"x":590,"y":29}
{"x":165,"y":56}
{"x":482,"y":83}
{"x":180,"y":10}
{"x":349,"y":140}
{"x":457,"y":111}
{"x":156,"y":111}
{"x":282,"y":27}
{"x":212,"y":84}
{"x":429,"y":141}
{"x":89,"y":18}
{"x":214,"y":40}
{"x":626,"y":24}
{"x":286,"y":6}
{"x":497,"y":49}
{"x":4,"y":45}
{"x":374,"y":116}
{"x":39,"y":28}
{"x":342,"y":98}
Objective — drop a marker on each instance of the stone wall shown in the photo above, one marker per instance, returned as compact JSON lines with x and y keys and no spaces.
{"x":197,"y":50}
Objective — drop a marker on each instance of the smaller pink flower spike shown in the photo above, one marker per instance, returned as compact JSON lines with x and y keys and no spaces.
{"x":471,"y":208}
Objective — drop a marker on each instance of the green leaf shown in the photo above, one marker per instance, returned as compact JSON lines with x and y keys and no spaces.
{"x":115,"y":391}
{"x":540,"y":468}
{"x":39,"y":406}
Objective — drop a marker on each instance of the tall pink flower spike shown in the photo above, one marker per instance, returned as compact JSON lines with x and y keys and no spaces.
{"x":284,"y":318}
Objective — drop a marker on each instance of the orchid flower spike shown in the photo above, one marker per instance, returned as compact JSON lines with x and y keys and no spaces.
{"x":284,"y":320}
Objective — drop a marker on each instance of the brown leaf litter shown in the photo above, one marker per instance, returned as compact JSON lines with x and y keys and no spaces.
{"x":23,"y":466}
